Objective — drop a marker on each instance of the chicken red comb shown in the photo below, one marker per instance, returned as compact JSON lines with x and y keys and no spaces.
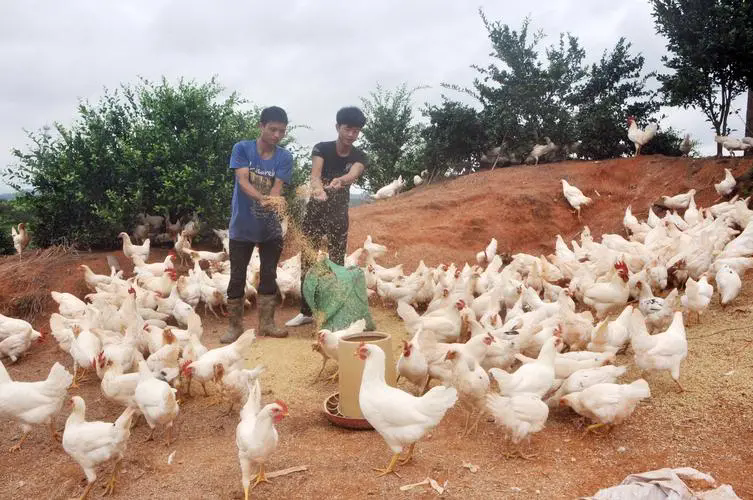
{"x":132,"y":290}
{"x":282,"y":405}
{"x":620,"y":265}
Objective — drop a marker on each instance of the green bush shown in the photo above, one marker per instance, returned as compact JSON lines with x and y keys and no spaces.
{"x":149,"y":148}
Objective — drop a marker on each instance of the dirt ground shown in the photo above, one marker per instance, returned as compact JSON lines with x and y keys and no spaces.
{"x":707,"y":427}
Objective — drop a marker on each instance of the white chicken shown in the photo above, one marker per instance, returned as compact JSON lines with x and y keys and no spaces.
{"x":202,"y":369}
{"x":608,"y":296}
{"x":129,"y":249}
{"x":520,"y":415}
{"x":611,"y":336}
{"x":535,"y":378}
{"x":234,"y":383}
{"x":91,"y":444}
{"x":731,"y":144}
{"x":13,"y":326}
{"x":412,"y":363}
{"x":471,"y":382}
{"x":156,"y":400}
{"x":607,"y":404}
{"x":582,"y":379}
{"x":728,"y":283}
{"x":400,"y":418}
{"x":20,"y":237}
{"x":256,"y":436}
{"x":486,"y":255}
{"x":575,"y":197}
{"x":640,"y":137}
{"x":375,"y":250}
{"x":697,"y":296}
{"x":16,"y":345}
{"x":541,"y":150}
{"x":446,"y":323}
{"x":678,"y":201}
{"x":327,"y":342}
{"x":33,"y":403}
{"x":686,"y":146}
{"x":390,"y":189}
{"x":663,"y":351}
{"x":726,"y":185}
{"x":69,"y":305}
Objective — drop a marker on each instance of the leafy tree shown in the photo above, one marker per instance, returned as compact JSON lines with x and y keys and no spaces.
{"x":454,"y":138}
{"x":710,"y":42}
{"x":150,"y":147}
{"x":390,"y":137}
{"x":523,"y":98}
{"x":614,"y":89}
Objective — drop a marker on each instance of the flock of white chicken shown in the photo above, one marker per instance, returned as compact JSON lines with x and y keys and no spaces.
{"x":547,"y":330}
{"x":120,"y":332}
{"x":539,"y":327}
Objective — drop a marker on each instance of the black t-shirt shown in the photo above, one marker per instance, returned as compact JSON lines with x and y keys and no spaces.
{"x":335,"y":166}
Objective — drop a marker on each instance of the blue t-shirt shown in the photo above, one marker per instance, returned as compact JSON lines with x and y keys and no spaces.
{"x":249,"y":221}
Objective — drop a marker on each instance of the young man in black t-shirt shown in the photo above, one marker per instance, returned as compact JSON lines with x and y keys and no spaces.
{"x":335,"y":166}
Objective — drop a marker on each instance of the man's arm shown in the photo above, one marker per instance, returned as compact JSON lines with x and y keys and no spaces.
{"x":277,"y":188}
{"x":346,"y":180}
{"x":241,"y":175}
{"x":317,"y":189}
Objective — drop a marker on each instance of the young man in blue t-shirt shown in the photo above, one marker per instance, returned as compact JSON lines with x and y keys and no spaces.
{"x":261,"y":169}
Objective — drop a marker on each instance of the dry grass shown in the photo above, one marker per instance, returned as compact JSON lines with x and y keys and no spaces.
{"x":25,"y":281}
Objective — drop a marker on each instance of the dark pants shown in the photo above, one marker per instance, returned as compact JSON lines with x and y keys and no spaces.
{"x":316,"y":227}
{"x":240,"y":256}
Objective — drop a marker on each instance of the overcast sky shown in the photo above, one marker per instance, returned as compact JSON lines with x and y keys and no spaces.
{"x":310,"y":57}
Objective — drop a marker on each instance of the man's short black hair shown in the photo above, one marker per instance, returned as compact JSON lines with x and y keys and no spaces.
{"x":351,"y":116}
{"x":274,"y":114}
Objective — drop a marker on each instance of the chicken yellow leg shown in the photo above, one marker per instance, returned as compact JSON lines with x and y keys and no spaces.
{"x":409,"y":455}
{"x":110,"y":487}
{"x":390,"y":467}
{"x":17,"y":446}
{"x":55,"y":434}
{"x":261,"y":477}
{"x":86,"y":491}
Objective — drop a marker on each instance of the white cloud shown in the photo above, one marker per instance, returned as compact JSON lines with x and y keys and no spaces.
{"x":311,"y":57}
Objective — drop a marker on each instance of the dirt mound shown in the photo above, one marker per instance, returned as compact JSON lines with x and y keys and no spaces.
{"x":523,"y":207}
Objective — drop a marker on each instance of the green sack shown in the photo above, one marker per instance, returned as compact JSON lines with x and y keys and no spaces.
{"x":337,"y":295}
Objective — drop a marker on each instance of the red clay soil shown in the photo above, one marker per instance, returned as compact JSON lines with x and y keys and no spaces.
{"x":524,"y":208}
{"x":707,"y":427}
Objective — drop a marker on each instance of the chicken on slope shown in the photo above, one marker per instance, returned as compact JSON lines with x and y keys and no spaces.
{"x":20,"y":237}
{"x":15,"y":346}
{"x":400,"y":418}
{"x":520,"y":415}
{"x":256,"y":436}
{"x":129,"y":249}
{"x":726,"y":185}
{"x":486,"y":255}
{"x":33,"y":403}
{"x":607,"y":404}
{"x":575,"y":197}
{"x":91,"y":444}
{"x":640,"y":137}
